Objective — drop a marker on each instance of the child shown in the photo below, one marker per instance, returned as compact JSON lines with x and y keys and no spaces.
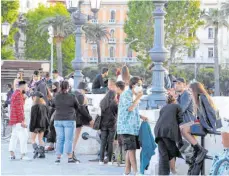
{"x":38,"y":123}
{"x":167,"y":134}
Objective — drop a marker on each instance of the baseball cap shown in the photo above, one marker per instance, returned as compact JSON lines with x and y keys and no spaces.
{"x":180,"y":80}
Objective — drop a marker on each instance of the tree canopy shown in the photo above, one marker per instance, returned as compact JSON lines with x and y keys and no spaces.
{"x":37,"y":46}
{"x":10,"y":13}
{"x":182,"y":19}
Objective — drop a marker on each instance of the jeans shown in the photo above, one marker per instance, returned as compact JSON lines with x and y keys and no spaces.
{"x":18,"y":132}
{"x":107,"y":139}
{"x":100,"y":91}
{"x":64,"y":135}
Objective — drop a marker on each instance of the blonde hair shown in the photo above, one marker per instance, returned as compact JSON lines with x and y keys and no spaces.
{"x":39,"y":100}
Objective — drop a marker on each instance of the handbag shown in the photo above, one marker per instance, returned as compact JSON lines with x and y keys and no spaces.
{"x":97,"y":123}
{"x":198,"y":130}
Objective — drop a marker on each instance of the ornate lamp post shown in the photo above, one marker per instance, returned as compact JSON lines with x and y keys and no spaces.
{"x":158,"y":55}
{"x":79,"y":19}
{"x":50,"y":41}
{"x":5,"y":31}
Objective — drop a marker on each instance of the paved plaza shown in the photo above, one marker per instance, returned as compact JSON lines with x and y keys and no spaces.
{"x":48,"y":167}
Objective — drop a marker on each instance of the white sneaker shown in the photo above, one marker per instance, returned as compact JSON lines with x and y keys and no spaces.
{"x":110,"y":163}
{"x":101,"y":163}
{"x":26,"y":158}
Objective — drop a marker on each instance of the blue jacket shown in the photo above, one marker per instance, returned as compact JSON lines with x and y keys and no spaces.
{"x":148,"y":146}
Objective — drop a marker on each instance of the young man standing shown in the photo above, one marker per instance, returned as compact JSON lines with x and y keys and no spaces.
{"x":57,"y":77}
{"x":17,"y":120}
{"x":99,"y":86}
{"x":185,"y":100}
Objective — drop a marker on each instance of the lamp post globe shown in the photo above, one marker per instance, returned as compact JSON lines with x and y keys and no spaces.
{"x":95,"y":6}
{"x":5,"y":29}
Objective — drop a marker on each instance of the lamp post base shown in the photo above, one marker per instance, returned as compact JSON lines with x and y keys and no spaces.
{"x":78,"y":77}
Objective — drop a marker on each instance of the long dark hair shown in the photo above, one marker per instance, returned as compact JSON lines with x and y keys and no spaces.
{"x":125,"y":74}
{"x":197,"y":89}
{"x":107,"y":100}
{"x":64,"y":86}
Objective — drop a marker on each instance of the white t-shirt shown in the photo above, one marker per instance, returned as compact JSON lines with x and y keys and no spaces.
{"x":120,"y":79}
{"x":58,"y":79}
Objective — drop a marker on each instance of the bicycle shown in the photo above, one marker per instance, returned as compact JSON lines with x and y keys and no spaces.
{"x":220,"y":164}
{"x":5,"y":127}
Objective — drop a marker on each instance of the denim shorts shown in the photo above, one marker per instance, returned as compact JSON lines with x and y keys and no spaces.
{"x":130,"y":142}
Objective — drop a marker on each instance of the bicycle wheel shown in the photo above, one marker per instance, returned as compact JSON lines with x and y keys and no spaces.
{"x":5,"y":128}
{"x":222,"y":167}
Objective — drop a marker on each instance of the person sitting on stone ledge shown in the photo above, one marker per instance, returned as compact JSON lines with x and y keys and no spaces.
{"x":99,"y":85}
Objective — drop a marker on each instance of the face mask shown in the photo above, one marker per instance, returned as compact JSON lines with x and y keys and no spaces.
{"x":138,"y":89}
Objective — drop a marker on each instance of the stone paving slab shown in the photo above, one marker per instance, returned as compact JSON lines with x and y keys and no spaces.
{"x":48,"y":167}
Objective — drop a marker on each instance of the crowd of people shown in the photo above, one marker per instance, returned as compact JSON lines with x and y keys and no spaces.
{"x":59,"y":112}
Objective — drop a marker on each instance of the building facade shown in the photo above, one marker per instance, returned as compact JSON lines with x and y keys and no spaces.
{"x":204,"y":54}
{"x":112,"y":14}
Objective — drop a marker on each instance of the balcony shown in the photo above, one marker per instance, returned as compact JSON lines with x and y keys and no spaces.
{"x":130,"y":59}
{"x":111,"y":21}
{"x":110,"y":59}
{"x":93,"y":60}
{"x":111,"y":40}
{"x":94,"y":21}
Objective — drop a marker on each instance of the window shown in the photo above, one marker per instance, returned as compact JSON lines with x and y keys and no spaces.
{"x":210,"y":53}
{"x":129,"y":52}
{"x":112,"y":52}
{"x":112,"y":15}
{"x":94,"y":51}
{"x":112,"y":33}
{"x":210,"y":33}
{"x":191,"y":53}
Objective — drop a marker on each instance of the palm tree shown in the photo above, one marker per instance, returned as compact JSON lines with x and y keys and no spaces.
{"x":215,"y":19}
{"x":96,"y":33}
{"x":62,"y":28}
{"x":225,"y":8}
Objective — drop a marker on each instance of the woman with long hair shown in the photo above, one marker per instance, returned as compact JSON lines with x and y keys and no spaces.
{"x":17,"y":80}
{"x":205,"y":107}
{"x":109,"y":110}
{"x":38,"y":123}
{"x":125,"y":76}
{"x":66,"y":105}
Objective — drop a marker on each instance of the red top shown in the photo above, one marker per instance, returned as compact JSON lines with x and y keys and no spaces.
{"x":17,"y":108}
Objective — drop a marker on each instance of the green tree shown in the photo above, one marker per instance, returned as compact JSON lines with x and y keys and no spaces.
{"x":215,"y":19}
{"x":37,"y":46}
{"x":62,"y":28}
{"x":10,"y":13}
{"x":183,"y":17}
{"x":96,"y":33}
{"x":225,"y":8}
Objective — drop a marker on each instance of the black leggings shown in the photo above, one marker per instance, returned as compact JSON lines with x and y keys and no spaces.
{"x":107,"y":139}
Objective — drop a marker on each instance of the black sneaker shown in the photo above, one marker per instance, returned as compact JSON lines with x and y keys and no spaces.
{"x":57,"y":161}
{"x":74,"y":157}
{"x":12,"y":158}
{"x":71,"y":160}
{"x":201,"y":155}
